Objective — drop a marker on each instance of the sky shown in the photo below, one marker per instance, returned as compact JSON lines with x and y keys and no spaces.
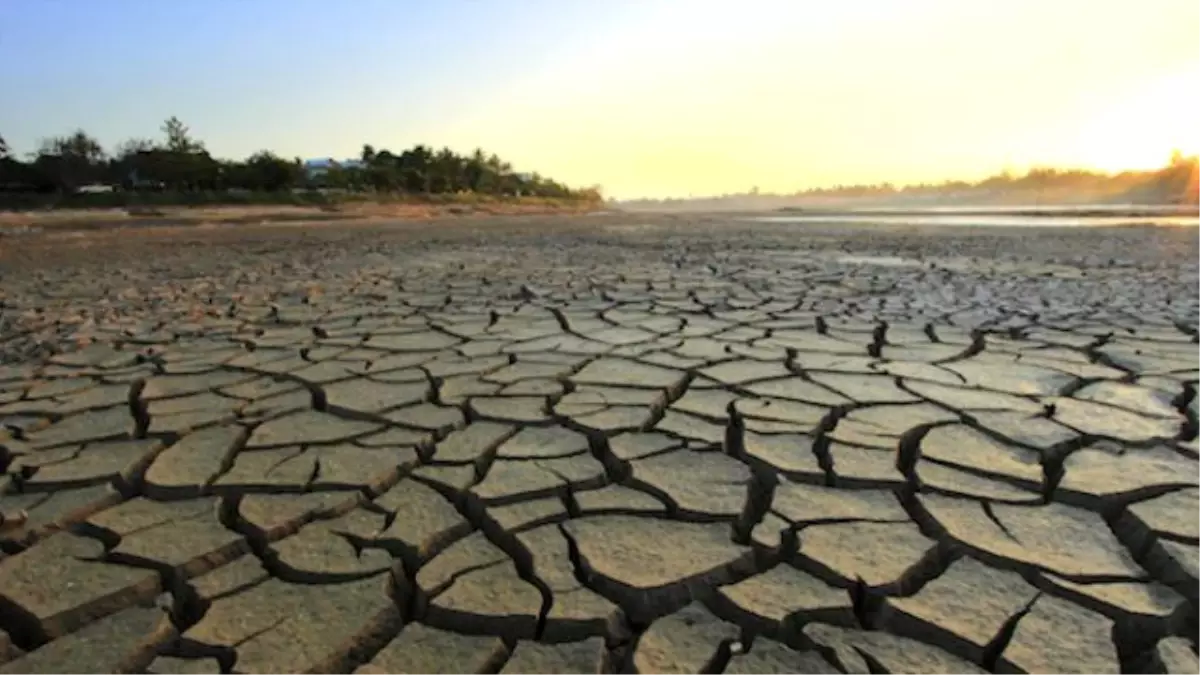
{"x":642,"y":97}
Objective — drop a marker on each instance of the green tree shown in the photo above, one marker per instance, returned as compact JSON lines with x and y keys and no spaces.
{"x":70,"y":161}
{"x":475,"y":172}
{"x":132,"y":147}
{"x":183,"y":163}
{"x":382,"y":172}
{"x":272,"y":173}
{"x":180,"y":162}
{"x":382,"y":177}
{"x":415,"y":169}
{"x":179,"y":137}
{"x":15,"y":174}
{"x":77,"y":145}
{"x":131,"y":163}
{"x":503,"y":180}
{"x":447,"y":172}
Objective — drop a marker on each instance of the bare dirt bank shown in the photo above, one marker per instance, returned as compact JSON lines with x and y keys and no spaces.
{"x":67,"y":220}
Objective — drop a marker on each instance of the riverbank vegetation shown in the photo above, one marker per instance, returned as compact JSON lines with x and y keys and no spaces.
{"x":1174,"y":184}
{"x":75,"y":171}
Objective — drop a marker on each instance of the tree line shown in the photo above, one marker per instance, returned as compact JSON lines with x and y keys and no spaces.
{"x":1175,"y":183}
{"x":177,"y":163}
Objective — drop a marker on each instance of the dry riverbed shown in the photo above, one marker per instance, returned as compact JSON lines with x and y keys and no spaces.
{"x":76,"y":220}
{"x":598,"y":443}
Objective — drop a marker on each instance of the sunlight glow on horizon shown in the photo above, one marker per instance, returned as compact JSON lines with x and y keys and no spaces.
{"x":1139,"y":130}
{"x":786,"y":96}
{"x":647,"y":98}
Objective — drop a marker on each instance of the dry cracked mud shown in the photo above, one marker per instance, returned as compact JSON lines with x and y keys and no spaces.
{"x":603,"y":444}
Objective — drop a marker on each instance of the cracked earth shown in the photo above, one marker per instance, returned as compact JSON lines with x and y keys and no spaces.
{"x":599,"y":445}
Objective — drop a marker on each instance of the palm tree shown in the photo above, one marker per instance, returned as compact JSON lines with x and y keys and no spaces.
{"x":475,"y":172}
{"x":445,"y":174}
{"x":414,"y":169}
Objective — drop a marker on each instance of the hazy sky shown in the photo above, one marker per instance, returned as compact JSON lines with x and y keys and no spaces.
{"x":645,"y":97}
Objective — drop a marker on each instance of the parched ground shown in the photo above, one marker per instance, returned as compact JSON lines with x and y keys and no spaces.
{"x":603,"y":443}
{"x":141,"y":217}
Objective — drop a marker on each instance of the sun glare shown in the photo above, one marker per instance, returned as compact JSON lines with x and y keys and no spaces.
{"x":1142,"y":127}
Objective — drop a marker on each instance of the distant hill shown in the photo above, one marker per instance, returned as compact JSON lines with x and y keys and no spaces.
{"x":1174,"y":184}
{"x":315,"y":168}
{"x":326,"y":162}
